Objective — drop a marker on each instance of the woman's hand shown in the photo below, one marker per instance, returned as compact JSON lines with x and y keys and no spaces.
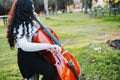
{"x":54,"y":48}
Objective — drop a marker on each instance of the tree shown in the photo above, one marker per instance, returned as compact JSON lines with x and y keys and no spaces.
{"x":46,"y":8}
{"x":5,"y":6}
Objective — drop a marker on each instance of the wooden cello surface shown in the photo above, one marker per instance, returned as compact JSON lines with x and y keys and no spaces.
{"x":66,"y":65}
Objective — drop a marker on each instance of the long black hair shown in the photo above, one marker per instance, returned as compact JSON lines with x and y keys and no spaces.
{"x":20,"y":13}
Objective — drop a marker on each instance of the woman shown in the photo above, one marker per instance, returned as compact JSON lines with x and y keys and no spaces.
{"x":21,"y":28}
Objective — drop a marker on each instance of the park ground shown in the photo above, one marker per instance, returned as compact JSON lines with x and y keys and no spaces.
{"x":86,"y":38}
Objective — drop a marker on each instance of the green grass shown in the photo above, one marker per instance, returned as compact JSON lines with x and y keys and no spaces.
{"x":81,"y":30}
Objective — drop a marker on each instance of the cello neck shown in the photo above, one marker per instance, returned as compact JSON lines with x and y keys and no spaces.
{"x":47,"y":31}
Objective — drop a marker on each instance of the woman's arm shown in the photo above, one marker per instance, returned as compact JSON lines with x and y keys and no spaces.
{"x":25,"y":45}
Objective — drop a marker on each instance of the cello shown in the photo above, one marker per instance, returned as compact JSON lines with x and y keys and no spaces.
{"x":66,"y":65}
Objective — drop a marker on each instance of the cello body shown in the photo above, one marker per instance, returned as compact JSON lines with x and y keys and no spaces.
{"x":66,"y":65}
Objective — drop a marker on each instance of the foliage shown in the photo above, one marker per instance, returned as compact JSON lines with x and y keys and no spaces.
{"x":85,"y":35}
{"x":6,"y":3}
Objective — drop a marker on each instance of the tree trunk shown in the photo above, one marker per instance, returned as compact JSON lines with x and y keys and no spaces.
{"x":46,"y":9}
{"x":86,"y":7}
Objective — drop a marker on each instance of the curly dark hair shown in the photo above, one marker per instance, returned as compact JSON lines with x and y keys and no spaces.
{"x":20,"y":13}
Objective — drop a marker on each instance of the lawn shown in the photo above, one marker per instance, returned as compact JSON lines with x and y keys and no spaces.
{"x":84,"y":34}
